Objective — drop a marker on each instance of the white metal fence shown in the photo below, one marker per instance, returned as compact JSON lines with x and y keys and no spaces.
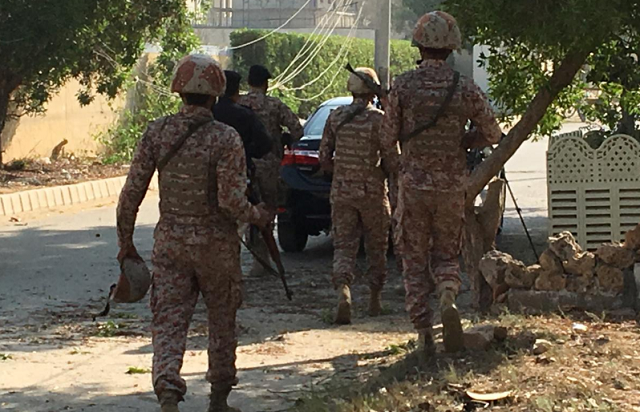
{"x":593,"y":193}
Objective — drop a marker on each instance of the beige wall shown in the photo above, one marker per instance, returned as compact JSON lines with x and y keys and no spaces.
{"x":36,"y":136}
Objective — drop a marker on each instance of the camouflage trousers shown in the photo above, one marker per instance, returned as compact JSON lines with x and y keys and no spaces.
{"x":393,"y":200}
{"x":429,"y":234}
{"x":268,"y":182}
{"x":182,"y":272}
{"x":350,"y":221}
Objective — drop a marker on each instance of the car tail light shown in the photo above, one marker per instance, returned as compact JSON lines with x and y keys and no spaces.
{"x":300,"y":158}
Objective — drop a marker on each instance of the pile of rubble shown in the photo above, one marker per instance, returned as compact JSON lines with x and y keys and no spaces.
{"x":564,"y":267}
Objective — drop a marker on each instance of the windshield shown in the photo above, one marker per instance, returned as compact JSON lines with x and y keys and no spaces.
{"x":315,"y":125}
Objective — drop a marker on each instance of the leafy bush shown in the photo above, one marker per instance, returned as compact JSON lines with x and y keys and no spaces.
{"x":149,"y":96}
{"x":303,"y":94}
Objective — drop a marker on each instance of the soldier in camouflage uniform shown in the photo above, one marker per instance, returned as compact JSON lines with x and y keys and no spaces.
{"x":433,"y":172}
{"x":359,"y":195}
{"x":202,"y":196}
{"x":275,"y":115}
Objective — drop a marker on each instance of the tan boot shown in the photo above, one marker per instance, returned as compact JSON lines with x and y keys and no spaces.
{"x":169,"y":401}
{"x":375,"y":303}
{"x":452,"y":334}
{"x":343,"y":313}
{"x":218,"y":401}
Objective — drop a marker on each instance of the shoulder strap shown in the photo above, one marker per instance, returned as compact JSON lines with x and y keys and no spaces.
{"x":178,"y":144}
{"x":445,"y":105}
{"x":359,"y":110}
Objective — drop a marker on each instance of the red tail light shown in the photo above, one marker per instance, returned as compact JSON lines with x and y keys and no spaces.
{"x":300,"y":157}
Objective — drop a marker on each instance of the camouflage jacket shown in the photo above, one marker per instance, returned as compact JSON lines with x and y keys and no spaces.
{"x":275,"y":115}
{"x":353,"y":144}
{"x":436,"y":158}
{"x":218,"y":152}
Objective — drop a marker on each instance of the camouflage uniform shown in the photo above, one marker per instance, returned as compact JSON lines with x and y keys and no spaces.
{"x":202,"y":195}
{"x":274,"y":115}
{"x":359,"y":195}
{"x":433,"y":175}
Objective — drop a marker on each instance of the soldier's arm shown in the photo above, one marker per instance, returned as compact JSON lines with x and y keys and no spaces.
{"x":328,"y":143}
{"x":231,"y":174}
{"x":390,"y":157}
{"x":390,"y":132}
{"x":135,"y":188}
{"x":289,"y":119}
{"x":486,"y":130}
{"x":261,"y":142}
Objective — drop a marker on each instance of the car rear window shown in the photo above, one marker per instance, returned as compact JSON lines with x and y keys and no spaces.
{"x":315,"y":125}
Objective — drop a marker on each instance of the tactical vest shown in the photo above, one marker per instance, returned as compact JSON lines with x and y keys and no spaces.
{"x":355,"y":153}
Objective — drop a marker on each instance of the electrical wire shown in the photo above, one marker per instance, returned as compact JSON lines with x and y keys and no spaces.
{"x":309,"y":59}
{"x":345,"y":47}
{"x":272,"y":32}
{"x":308,"y":43}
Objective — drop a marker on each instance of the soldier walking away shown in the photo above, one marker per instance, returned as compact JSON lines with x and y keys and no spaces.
{"x":256,"y":139}
{"x":359,"y":194}
{"x":202,"y":176}
{"x":275,"y":115}
{"x":427,"y":113}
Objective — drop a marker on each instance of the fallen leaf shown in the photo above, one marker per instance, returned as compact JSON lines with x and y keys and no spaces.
{"x":489,"y":397}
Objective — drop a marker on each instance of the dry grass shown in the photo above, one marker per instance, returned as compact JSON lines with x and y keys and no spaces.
{"x":596,"y":370}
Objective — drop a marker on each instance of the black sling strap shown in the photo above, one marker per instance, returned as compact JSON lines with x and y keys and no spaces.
{"x":447,"y":101}
{"x":350,"y":117}
{"x":176,"y":147}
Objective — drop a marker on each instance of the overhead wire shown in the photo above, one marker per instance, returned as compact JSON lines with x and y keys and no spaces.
{"x":344,"y":48}
{"x":309,"y":42}
{"x":335,"y":76}
{"x":309,"y":59}
{"x":272,"y":32}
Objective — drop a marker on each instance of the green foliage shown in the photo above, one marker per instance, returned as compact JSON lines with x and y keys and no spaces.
{"x":108,"y":329}
{"x":5,"y":357}
{"x":150,"y":91}
{"x":43,"y":44}
{"x":405,"y":13}
{"x":279,"y":50}
{"x":527,"y":39}
{"x":134,"y":370}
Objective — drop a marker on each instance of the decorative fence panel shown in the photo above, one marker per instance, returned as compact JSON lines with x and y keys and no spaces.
{"x":593,"y":193}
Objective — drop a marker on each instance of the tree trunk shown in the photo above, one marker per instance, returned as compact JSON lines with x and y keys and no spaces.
{"x":4,"y":109}
{"x":481,"y":224}
{"x":561,"y":78}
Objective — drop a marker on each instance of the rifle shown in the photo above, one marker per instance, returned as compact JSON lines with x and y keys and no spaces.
{"x":375,"y":87}
{"x":270,"y":241}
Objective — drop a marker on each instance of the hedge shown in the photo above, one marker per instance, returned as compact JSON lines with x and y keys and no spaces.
{"x":278,"y":50}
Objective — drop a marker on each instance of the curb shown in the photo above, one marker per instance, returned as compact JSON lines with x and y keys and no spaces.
{"x":47,"y":198}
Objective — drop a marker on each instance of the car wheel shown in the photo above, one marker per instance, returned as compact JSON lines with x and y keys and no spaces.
{"x":292,"y":238}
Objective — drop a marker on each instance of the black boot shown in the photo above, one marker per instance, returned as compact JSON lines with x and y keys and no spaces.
{"x":218,"y":400}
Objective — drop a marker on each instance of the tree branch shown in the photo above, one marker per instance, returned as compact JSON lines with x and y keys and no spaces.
{"x":562,"y":77}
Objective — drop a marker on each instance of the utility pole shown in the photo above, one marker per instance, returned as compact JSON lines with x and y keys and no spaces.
{"x":383,"y":36}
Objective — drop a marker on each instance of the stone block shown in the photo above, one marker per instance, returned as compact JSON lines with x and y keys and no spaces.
{"x":614,"y":254}
{"x":34,"y":200}
{"x":632,"y":239}
{"x":564,"y":246}
{"x":550,"y":281}
{"x":610,"y":279}
{"x":74,"y":194}
{"x":551,"y":263}
{"x":42,"y":198}
{"x":16,"y":204}
{"x":583,"y":264}
{"x":66,"y":195}
{"x":481,"y":337}
{"x":26,"y":202}
{"x":5,"y":206}
{"x":535,"y":301}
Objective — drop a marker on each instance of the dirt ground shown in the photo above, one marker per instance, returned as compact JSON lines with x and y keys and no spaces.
{"x":28,"y":174}
{"x":56,"y":269}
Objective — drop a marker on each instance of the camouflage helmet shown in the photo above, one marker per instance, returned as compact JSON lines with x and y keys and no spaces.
{"x":198,"y":74}
{"x":357,"y":86}
{"x":437,"y":30}
{"x":134,"y":282}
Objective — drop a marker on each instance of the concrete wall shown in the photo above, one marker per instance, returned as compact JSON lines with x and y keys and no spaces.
{"x":36,"y":136}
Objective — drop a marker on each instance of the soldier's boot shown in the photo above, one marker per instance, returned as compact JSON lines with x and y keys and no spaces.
{"x":426,"y":344}
{"x":452,"y":334}
{"x":169,"y":401}
{"x":343,"y":313}
{"x":218,"y":401}
{"x":375,"y":302}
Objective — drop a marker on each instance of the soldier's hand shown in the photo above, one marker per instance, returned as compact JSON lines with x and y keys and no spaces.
{"x":128,"y":252}
{"x":266,"y":216}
